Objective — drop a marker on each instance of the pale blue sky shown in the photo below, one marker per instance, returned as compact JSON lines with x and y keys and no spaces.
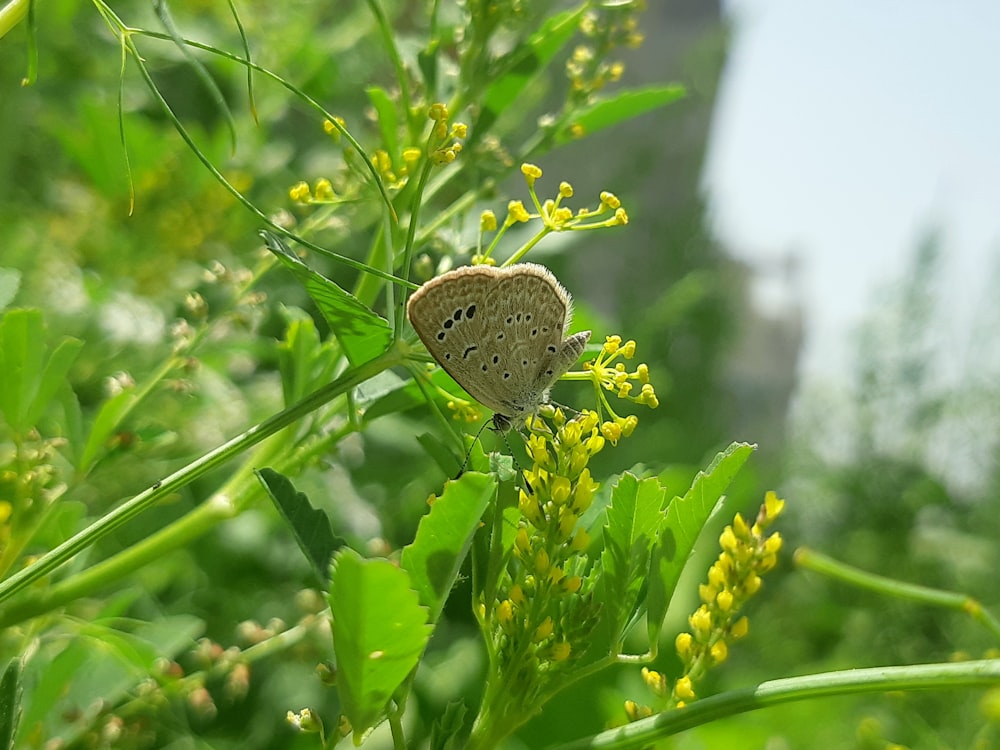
{"x":843,"y":130}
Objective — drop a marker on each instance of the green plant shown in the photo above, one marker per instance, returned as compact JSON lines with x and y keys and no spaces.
{"x":561,"y":566}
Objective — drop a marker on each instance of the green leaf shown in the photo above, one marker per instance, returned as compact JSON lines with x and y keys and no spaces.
{"x":624,"y":106}
{"x":10,"y":282}
{"x":310,"y":526}
{"x":379,"y":632}
{"x":633,"y":520}
{"x":362,"y":333}
{"x":53,"y":376}
{"x":295,"y":355}
{"x":29,"y":377}
{"x":524,"y":64}
{"x":22,"y":353}
{"x":10,"y":703}
{"x":109,"y":416}
{"x":447,"y":734}
{"x":443,"y":538}
{"x":388,"y":121}
{"x":683,"y":523}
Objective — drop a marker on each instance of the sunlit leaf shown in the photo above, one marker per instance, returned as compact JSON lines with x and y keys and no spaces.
{"x":379,"y":632}
{"x":444,"y":536}
{"x":310,"y":526}
{"x":623,"y":106}
{"x":633,"y":519}
{"x":362,"y":332}
{"x":684,"y":521}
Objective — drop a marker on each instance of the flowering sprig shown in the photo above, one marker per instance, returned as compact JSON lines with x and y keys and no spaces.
{"x":443,"y":145}
{"x":539,"y":622}
{"x":606,"y":28}
{"x":748,"y":552}
{"x":608,"y":374}
{"x":554,"y":216}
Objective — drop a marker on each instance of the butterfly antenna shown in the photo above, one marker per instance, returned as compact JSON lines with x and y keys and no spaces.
{"x":468,"y":453}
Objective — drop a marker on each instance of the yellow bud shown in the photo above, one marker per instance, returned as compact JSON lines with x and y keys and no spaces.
{"x":773,"y":505}
{"x":572,"y":584}
{"x":621,"y":217}
{"x":642,"y":371}
{"x":684,"y":689}
{"x":487,"y":221}
{"x":724,"y":600}
{"x":740,"y":527}
{"x":701,"y":622}
{"x":561,"y":215}
{"x":773,"y":543}
{"x":752,"y":584}
{"x":611,"y":344}
{"x":505,"y":613}
{"x":324,"y":190}
{"x":411,"y":155}
{"x":521,"y":542}
{"x":707,"y":593}
{"x":299,"y":192}
{"x":594,"y":444}
{"x":541,"y":561}
{"x":628,"y":351}
{"x":654,"y":681}
{"x":544,"y":630}
{"x":516,"y":212}
{"x":629,"y":425}
{"x":437,"y":112}
{"x":459,"y":130}
{"x":717,"y":576}
{"x":740,"y":628}
{"x":727,"y":540}
{"x":611,"y":432}
{"x":565,"y":190}
{"x":531,"y":173}
{"x":561,"y":651}
{"x":581,"y":541}
{"x":517,"y":594}
{"x":719,"y":652}
{"x":610,"y":200}
{"x":683,"y":643}
{"x":560,"y":490}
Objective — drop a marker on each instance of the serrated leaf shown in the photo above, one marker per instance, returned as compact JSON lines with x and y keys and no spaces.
{"x":446,"y":734}
{"x":685,"y":518}
{"x":524,"y":64}
{"x":379,"y":632}
{"x":633,"y":520}
{"x":10,"y":282}
{"x":310,"y":526}
{"x":10,"y":703}
{"x":444,"y":536}
{"x":363,"y":334}
{"x":624,"y":106}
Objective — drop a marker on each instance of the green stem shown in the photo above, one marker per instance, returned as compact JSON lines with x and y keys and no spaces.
{"x":12,"y":14}
{"x":969,"y":674}
{"x":117,"y":518}
{"x":815,"y":561}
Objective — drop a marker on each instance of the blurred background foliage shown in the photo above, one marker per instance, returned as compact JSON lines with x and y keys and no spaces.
{"x":890,"y":472}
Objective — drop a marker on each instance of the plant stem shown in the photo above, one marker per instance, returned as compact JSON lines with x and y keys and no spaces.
{"x":211,"y":460}
{"x":969,"y":674}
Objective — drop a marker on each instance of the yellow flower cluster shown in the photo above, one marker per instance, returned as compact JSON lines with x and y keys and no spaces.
{"x":588,"y":69}
{"x":554,"y":216}
{"x":611,"y":375}
{"x":445,"y":142}
{"x":748,"y":552}
{"x":545,"y":610}
{"x":321,"y":192}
